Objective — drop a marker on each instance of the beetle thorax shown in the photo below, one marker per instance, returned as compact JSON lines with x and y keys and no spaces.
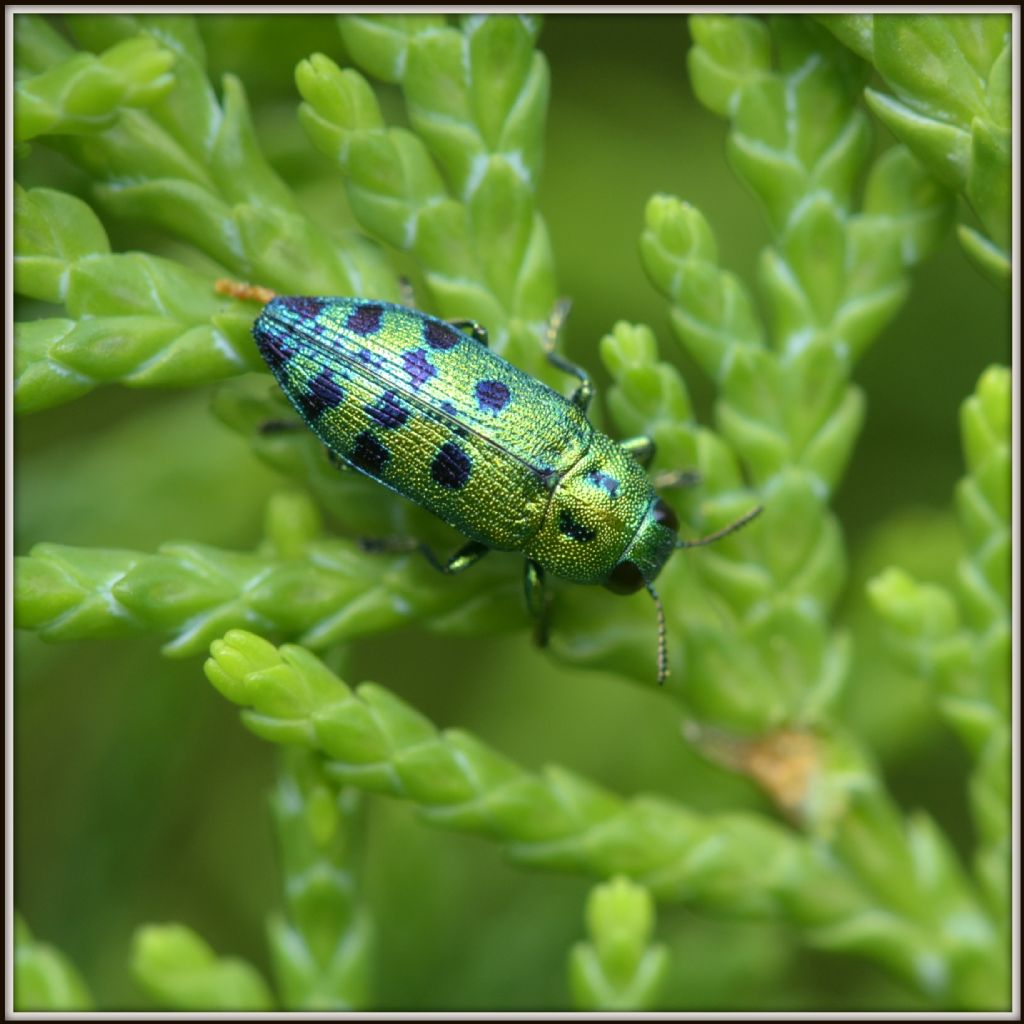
{"x":593,"y":515}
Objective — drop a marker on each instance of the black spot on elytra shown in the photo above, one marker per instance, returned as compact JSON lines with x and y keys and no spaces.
{"x":365,"y":319}
{"x":419,"y":367}
{"x":604,"y":481}
{"x":322,"y":392}
{"x":368,"y":453}
{"x":572,"y":528}
{"x":389,"y":411}
{"x":449,"y":410}
{"x":439,"y":335}
{"x":451,"y":467}
{"x":305,"y":306}
{"x":492,"y":395}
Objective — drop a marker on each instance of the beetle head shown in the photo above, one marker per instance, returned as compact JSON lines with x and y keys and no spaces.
{"x":648,"y":552}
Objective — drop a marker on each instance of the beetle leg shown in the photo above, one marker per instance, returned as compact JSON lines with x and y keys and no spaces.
{"x":468,"y":555}
{"x":582,"y":396}
{"x":641,"y":448}
{"x":538,"y":601}
{"x":281,"y":426}
{"x":478,"y":331}
{"x":672,"y":478}
{"x":336,"y":460}
{"x":387,"y":545}
{"x":406,"y":291}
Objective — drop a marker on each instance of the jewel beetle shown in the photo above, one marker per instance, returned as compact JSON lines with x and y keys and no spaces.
{"x":423,"y":406}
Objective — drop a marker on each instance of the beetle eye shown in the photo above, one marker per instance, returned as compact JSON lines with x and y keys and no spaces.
{"x":625,"y":578}
{"x":666,"y":515}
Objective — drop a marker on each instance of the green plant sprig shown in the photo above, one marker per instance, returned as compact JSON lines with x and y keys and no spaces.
{"x":951,"y":78}
{"x":44,"y":978}
{"x":961,"y":640}
{"x":179,"y":970}
{"x":85,"y":92}
{"x":321,"y":944}
{"x":905,"y":903}
{"x":190,"y":164}
{"x":138,"y":319}
{"x":833,"y":278}
{"x":457,"y":192}
{"x":618,"y":968}
{"x":786,"y":408}
{"x":299,"y":584}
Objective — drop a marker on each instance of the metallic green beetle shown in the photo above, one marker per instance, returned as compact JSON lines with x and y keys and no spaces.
{"x":427,"y":409}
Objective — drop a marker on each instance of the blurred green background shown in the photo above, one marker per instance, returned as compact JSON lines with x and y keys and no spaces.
{"x":139,"y":796}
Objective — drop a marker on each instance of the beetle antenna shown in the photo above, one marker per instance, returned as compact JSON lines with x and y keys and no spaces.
{"x":724,"y":532}
{"x":243,"y":291}
{"x":555,"y":323}
{"x":662,"y":644}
